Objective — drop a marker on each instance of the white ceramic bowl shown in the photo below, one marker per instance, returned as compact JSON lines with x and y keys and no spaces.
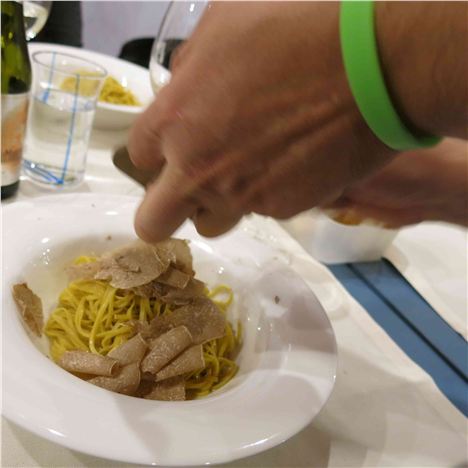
{"x":135,"y":78}
{"x":287,"y":364}
{"x":331,"y":242}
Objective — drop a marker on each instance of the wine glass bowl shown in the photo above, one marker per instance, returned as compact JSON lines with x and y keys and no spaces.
{"x":179,"y":21}
{"x":35,"y":17}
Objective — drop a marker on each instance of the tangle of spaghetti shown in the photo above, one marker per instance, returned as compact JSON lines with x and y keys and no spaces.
{"x":94,"y":316}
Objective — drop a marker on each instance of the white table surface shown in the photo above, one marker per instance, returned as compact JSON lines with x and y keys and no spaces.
{"x":384,"y":410}
{"x":433,"y":257}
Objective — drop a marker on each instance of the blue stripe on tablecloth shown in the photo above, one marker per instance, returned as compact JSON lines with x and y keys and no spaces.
{"x":393,"y":288}
{"x":389,"y":310}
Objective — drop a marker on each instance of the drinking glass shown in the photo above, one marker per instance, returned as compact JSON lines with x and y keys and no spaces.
{"x":178,"y":23}
{"x":35,"y":17}
{"x":63,"y":102}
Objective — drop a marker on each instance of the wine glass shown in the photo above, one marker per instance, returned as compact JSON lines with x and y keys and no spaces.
{"x":35,"y":17}
{"x":178,"y":23}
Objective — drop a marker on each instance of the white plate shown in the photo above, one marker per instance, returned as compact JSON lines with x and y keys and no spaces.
{"x":131,"y":76}
{"x":287,"y":364}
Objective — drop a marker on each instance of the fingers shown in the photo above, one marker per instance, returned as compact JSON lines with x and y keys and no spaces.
{"x":211,"y":224}
{"x":179,"y":54}
{"x":144,"y":144}
{"x":166,"y":206}
{"x":341,"y":203}
{"x":170,"y":200}
{"x":145,"y":139}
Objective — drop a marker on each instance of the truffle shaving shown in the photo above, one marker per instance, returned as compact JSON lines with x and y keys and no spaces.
{"x":171,"y":295}
{"x":126,"y":381}
{"x":133,"y":265}
{"x":151,"y":290}
{"x":131,"y":351}
{"x":177,"y":252}
{"x":144,"y":387}
{"x":83,"y":271}
{"x":167,"y":390}
{"x":194,"y":288}
{"x":202,"y":318}
{"x":143,"y":328}
{"x":88,"y":363}
{"x":174,"y":278}
{"x":30,"y":306}
{"x":165,"y":348}
{"x":189,"y":361}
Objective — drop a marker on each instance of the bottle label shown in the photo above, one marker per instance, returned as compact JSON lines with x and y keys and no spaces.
{"x":14,"y":117}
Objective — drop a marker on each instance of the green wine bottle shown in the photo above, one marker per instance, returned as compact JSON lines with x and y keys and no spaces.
{"x":16,"y":85}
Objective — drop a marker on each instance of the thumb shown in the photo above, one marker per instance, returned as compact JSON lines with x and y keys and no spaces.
{"x":166,"y":206}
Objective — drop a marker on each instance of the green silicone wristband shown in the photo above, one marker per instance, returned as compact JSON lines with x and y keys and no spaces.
{"x":361,"y":61}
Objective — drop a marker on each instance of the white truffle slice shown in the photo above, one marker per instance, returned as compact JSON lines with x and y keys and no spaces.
{"x":88,"y":363}
{"x":202,"y":317}
{"x":132,"y":265}
{"x":30,"y":306}
{"x":131,"y":351}
{"x":189,"y":361}
{"x":126,"y":381}
{"x":167,"y":390}
{"x":165,"y":348}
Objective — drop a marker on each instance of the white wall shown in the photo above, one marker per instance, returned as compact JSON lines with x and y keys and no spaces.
{"x":107,"y":25}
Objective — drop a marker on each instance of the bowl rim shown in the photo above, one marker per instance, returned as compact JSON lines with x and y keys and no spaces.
{"x":121,"y":107}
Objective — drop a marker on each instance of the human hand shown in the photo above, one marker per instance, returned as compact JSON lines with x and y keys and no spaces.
{"x":424,"y":185}
{"x":258,"y":117}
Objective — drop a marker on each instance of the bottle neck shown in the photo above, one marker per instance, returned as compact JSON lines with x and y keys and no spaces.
{"x":16,"y":66}
{"x":13,"y":29}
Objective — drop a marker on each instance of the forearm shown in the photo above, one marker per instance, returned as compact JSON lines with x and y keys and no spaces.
{"x":422,"y":47}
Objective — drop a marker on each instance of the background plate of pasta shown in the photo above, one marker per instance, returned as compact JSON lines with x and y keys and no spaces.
{"x":125,"y":93}
{"x":253,"y":369}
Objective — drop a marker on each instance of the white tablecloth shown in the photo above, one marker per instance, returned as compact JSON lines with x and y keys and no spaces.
{"x":384,"y":411}
{"x":433,"y":257}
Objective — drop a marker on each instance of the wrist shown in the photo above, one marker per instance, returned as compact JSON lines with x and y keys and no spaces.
{"x":421,"y":49}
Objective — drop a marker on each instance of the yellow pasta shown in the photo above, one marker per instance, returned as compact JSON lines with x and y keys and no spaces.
{"x":112,"y":91}
{"x":94,"y":316}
